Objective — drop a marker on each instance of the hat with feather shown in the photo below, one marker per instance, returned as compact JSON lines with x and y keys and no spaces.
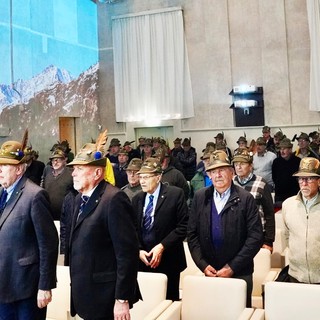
{"x":12,"y":152}
{"x":92,"y":154}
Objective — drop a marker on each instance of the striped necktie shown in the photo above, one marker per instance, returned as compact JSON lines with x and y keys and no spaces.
{"x":147,"y":214}
{"x":3,"y":199}
{"x":84,"y":200}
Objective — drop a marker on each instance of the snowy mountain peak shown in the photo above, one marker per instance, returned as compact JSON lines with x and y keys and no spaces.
{"x":23,"y":90}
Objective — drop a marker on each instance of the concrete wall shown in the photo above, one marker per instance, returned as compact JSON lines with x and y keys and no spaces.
{"x":230,"y":42}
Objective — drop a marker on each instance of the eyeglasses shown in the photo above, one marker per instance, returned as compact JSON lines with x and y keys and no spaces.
{"x":57,"y":160}
{"x":307,"y":179}
{"x":146,"y":177}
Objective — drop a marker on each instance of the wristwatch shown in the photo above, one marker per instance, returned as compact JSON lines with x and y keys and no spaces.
{"x":122,"y":301}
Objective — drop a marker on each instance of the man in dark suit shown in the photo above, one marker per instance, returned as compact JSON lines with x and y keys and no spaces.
{"x":28,"y":240}
{"x":162,"y":215}
{"x":103,"y":252}
{"x":225,"y":230}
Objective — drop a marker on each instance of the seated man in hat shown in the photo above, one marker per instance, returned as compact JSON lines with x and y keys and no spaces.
{"x":28,"y":240}
{"x":147,"y":149}
{"x":268,"y":139}
{"x":170,"y":174}
{"x":188,"y":159}
{"x":132,"y":153}
{"x":133,"y":186}
{"x":302,"y":222}
{"x":162,"y":215}
{"x":315,"y":141}
{"x":304,"y":150}
{"x":283,"y":167}
{"x":34,"y":167}
{"x":119,"y":169}
{"x":176,"y":147}
{"x":57,"y":181}
{"x":156,"y":143}
{"x":139,"y":148}
{"x":226,"y":247}
{"x":242,"y":143}
{"x":258,"y":187}
{"x":114,"y":149}
{"x":220,"y":141}
{"x":262,"y":162}
{"x":201,"y":179}
{"x":278,"y":136}
{"x":103,"y":251}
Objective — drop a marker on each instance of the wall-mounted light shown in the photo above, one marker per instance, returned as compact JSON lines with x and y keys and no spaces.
{"x":247,"y":105}
{"x":245,"y":89}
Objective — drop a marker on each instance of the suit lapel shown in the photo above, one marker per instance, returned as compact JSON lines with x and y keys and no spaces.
{"x":161,"y":198}
{"x":92,"y":203}
{"x":17,"y":192}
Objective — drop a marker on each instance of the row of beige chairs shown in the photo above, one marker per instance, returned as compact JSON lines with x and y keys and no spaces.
{"x":153,"y":288}
{"x":61,"y":296}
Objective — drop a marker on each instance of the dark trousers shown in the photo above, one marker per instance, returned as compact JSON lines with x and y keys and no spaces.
{"x":249,"y":281}
{"x":25,"y":309}
{"x":173,"y":280}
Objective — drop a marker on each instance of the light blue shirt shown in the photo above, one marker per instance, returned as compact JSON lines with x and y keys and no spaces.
{"x":11,"y":189}
{"x":220,"y":200}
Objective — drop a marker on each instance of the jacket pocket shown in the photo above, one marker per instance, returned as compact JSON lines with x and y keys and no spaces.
{"x":104,"y":276}
{"x":25,"y":261}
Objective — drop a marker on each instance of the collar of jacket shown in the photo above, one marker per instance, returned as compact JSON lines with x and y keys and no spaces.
{"x":233,"y":195}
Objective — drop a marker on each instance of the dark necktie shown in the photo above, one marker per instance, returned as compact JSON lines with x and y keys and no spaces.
{"x":3,"y":199}
{"x":147,"y":214}
{"x":84,"y":200}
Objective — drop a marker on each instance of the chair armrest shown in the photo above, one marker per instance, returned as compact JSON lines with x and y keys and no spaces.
{"x":271,"y":276}
{"x":246,"y":314}
{"x":258,"y":314}
{"x":156,"y":311}
{"x":173,"y":312}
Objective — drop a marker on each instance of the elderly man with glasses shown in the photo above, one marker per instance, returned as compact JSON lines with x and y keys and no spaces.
{"x":301,"y":216}
{"x":162,"y":215}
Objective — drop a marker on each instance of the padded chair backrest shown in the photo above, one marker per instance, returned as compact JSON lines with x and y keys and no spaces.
{"x":60,"y":304}
{"x":279,"y":220}
{"x":191,"y":268}
{"x":278,"y":247}
{"x":292,"y":301}
{"x":262,"y":265}
{"x":153,"y":287}
{"x":209,"y":298}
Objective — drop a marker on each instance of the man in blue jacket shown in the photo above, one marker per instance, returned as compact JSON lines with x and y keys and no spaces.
{"x":224,"y":230}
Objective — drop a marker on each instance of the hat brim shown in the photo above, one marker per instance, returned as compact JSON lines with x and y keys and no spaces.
{"x":55,"y":157}
{"x":305,"y":174}
{"x":240,"y":159}
{"x":143,"y":170}
{"x":218,"y":165}
{"x":11,"y":161}
{"x":98,"y":163}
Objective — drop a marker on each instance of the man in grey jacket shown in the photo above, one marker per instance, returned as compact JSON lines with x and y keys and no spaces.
{"x":28,"y":240}
{"x":301,"y":215}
